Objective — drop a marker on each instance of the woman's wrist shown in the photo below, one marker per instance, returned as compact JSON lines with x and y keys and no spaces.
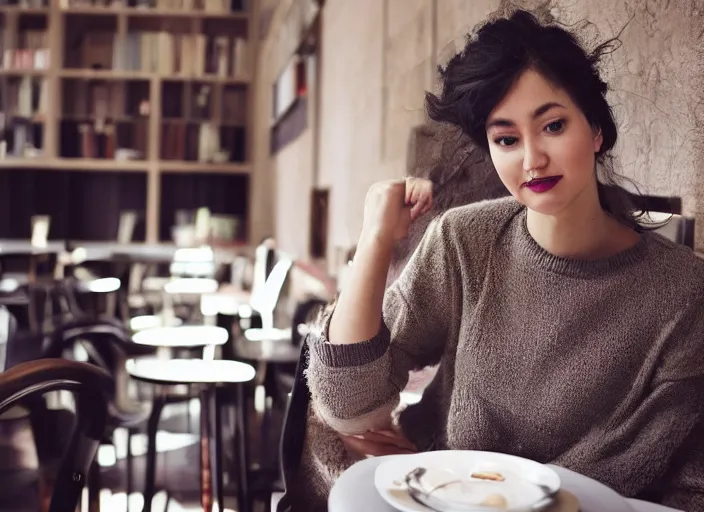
{"x":376,"y":241}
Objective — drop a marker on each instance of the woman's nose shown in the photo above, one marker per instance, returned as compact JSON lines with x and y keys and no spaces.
{"x":534,"y":156}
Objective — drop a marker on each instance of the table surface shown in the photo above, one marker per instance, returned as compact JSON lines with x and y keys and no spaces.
{"x":181,"y":336}
{"x":107,"y":250}
{"x":143,"y":252}
{"x":189,"y":371}
{"x":24,"y":247}
{"x":142,"y":322}
{"x":355,"y":491}
{"x":191,"y":285}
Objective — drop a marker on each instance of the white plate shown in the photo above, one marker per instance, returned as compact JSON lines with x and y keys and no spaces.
{"x":519,"y":474}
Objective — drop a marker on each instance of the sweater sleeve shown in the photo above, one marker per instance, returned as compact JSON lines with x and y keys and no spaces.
{"x":683,"y":485}
{"x":681,"y":366}
{"x":355,"y":387}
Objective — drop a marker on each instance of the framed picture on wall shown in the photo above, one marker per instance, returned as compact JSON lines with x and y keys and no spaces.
{"x":319,"y":223}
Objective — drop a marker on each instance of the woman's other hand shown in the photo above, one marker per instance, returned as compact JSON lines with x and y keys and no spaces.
{"x":378,"y":443}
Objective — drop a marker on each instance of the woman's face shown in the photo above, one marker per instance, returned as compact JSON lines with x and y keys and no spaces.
{"x":543,"y":147}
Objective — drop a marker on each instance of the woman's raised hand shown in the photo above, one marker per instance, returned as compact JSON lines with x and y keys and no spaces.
{"x":391,"y":206}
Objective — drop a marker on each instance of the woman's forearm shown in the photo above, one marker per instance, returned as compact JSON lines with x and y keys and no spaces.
{"x":357,"y":316}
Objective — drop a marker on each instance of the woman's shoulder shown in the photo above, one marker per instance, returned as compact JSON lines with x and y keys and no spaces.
{"x":678,"y":269}
{"x":483,"y":216}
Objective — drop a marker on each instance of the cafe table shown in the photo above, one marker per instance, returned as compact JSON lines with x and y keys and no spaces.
{"x":355,"y":491}
{"x":208,"y":374}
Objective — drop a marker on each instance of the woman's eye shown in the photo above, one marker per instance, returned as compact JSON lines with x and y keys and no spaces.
{"x":506,"y":141}
{"x":555,"y":127}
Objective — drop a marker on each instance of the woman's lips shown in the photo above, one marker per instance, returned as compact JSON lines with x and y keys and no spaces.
{"x":542,"y":184}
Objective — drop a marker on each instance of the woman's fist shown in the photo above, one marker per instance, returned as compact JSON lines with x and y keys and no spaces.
{"x":391,"y":206}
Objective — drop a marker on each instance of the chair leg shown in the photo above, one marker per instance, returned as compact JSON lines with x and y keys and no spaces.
{"x":129,"y":463}
{"x":218,"y":466}
{"x":241,"y":449}
{"x":94,"y":487}
{"x":206,"y":451}
{"x":152,"y":427}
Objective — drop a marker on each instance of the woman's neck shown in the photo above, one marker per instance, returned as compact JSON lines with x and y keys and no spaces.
{"x":581,"y":233}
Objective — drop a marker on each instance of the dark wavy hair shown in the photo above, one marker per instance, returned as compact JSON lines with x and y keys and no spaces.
{"x":476,"y":80}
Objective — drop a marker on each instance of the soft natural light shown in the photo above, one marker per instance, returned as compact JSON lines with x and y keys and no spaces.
{"x":245,"y":311}
{"x":139,"y":323}
{"x":108,"y":455}
{"x":208,"y":371}
{"x":9,"y":285}
{"x":194,"y":255}
{"x":212,"y":304}
{"x":103,"y":285}
{"x":273,"y":334}
{"x":183,"y":336}
{"x":191,"y":285}
{"x":410,"y":398}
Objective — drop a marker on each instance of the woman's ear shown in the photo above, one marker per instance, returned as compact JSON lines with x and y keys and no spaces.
{"x":598,"y":138}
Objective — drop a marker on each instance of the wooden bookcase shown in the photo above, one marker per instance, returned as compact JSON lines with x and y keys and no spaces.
{"x":158,"y":87}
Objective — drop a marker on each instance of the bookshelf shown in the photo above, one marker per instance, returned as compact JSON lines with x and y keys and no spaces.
{"x":160,"y":88}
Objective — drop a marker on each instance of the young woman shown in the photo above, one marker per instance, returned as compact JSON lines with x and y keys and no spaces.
{"x":564,"y":331}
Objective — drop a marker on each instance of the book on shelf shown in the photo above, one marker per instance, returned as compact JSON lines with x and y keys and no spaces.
{"x":159,"y":52}
{"x":241,"y":64}
{"x":170,"y":53}
{"x":209,"y":6}
{"x":173,"y":140}
{"x":208,"y":142}
{"x":107,"y":140}
{"x":194,"y":142}
{"x":26,"y":98}
{"x":96,"y":50}
{"x":25,"y":4}
{"x":31,"y":52}
{"x":97,"y":142}
{"x":95,"y":100}
{"x":77,"y":4}
{"x":234,"y":106}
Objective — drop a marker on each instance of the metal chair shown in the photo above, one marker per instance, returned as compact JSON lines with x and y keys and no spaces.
{"x":90,"y":386}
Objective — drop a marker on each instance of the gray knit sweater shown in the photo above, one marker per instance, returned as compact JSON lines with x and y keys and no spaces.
{"x":597,"y":366}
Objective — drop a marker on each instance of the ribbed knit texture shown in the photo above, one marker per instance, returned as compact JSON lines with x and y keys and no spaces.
{"x":597,"y":366}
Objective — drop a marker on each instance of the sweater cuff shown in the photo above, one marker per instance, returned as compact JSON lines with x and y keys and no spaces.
{"x":351,"y":354}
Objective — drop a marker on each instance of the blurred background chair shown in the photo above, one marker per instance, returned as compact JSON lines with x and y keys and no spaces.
{"x":24,"y":490}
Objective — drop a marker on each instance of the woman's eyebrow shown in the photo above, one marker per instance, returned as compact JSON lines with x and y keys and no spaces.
{"x":499,"y":122}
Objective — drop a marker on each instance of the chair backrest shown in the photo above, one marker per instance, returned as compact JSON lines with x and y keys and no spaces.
{"x":668,"y":211}
{"x":90,"y":385}
{"x":304,"y":315}
{"x":8,"y":329}
{"x":262,"y":256}
{"x":265,"y":299}
{"x":126,"y":225}
{"x":675,"y":227}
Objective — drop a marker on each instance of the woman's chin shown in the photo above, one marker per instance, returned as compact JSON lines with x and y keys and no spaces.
{"x":545,"y":205}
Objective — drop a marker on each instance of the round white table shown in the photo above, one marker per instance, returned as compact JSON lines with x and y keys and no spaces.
{"x":184,"y":336}
{"x":208,"y":374}
{"x":355,"y":491}
{"x":143,"y":322}
{"x":191,"y":286}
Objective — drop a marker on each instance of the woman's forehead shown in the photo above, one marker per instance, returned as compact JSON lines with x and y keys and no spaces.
{"x":531,"y":92}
